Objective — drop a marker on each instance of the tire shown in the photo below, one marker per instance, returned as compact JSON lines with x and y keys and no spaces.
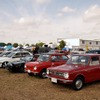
{"x":21,"y":69}
{"x":78,"y":83}
{"x":30,"y":74}
{"x":43,"y":74}
{"x":4,"y":64}
{"x":10,"y":69}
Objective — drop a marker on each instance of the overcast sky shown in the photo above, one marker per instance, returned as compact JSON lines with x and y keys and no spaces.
{"x":32,"y":21}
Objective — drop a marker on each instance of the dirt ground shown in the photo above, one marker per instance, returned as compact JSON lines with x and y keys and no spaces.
{"x":20,"y":86}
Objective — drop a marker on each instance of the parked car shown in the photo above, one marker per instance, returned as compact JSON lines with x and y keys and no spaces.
{"x":5,"y":53}
{"x":93,"y":51}
{"x":44,"y":61}
{"x":13,"y":56}
{"x":79,"y":69}
{"x":18,"y":66}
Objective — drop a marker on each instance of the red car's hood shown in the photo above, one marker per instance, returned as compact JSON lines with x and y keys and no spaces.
{"x":33,"y":63}
{"x":65,"y":67}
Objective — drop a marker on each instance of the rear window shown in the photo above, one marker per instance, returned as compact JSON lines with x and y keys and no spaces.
{"x":94,"y":60}
{"x":94,"y":51}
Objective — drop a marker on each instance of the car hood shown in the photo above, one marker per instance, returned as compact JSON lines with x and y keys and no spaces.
{"x":18,"y":62}
{"x":33,"y":63}
{"x":4,"y":59}
{"x":65,"y":67}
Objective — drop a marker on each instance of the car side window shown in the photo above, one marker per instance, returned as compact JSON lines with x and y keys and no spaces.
{"x":64,"y":57}
{"x":17,"y":55}
{"x":94,"y":61}
{"x":25,"y":54}
{"x":55,"y":58}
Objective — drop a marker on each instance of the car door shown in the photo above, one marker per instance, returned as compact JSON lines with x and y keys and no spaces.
{"x":26,"y":56}
{"x":56,"y":60}
{"x":16,"y":56}
{"x":93,"y":70}
{"x":63,"y":59}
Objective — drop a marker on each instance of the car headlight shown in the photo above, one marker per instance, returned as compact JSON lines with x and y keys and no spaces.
{"x":25,"y":66}
{"x":66,"y":75}
{"x":47,"y":71}
{"x":35,"y":68}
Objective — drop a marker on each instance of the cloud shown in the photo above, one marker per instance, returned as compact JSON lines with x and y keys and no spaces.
{"x":32,"y":21}
{"x":67,"y":9}
{"x":42,"y":1}
{"x":36,"y":24}
{"x":60,"y":14}
{"x":92,"y":14}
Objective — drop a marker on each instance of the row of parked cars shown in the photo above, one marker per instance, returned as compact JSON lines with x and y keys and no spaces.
{"x":58,"y":67}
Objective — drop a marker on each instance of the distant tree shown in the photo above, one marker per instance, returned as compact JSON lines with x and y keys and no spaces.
{"x":27,"y":45}
{"x":32,"y":45}
{"x":20,"y":45}
{"x":2,"y":44}
{"x":40,"y":44}
{"x":62,"y":44}
{"x":50,"y":43}
{"x":15,"y":45}
{"x":9,"y":44}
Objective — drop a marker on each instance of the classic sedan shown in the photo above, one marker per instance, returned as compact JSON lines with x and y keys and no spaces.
{"x":79,"y":69}
{"x":44,"y":61}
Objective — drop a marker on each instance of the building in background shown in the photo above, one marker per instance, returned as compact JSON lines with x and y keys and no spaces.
{"x":77,"y":43}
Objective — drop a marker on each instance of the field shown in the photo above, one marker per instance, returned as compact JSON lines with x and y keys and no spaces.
{"x":20,"y":86}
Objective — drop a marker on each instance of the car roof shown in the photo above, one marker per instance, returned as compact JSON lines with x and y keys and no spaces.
{"x":94,"y":50}
{"x":88,"y":54}
{"x":53,"y":53}
{"x":20,"y":51}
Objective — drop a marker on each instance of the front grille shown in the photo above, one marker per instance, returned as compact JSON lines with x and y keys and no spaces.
{"x":57,"y":73}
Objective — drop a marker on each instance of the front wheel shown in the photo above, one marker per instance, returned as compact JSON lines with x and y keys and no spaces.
{"x":43,"y":74}
{"x":78,"y":83}
{"x":4,"y":64}
{"x":30,"y":74}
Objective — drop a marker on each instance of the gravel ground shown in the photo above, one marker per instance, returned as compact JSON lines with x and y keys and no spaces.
{"x":20,"y":86}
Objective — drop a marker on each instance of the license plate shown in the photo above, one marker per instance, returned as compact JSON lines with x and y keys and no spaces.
{"x":29,"y":71}
{"x":54,"y":80}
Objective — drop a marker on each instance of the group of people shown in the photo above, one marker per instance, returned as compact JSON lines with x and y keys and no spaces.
{"x":38,"y":49}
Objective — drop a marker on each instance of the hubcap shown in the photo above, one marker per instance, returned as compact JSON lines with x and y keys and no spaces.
{"x":44,"y":74}
{"x":79,"y":84}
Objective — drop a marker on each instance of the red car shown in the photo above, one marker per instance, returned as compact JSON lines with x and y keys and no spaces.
{"x":44,"y":61}
{"x":79,"y":69}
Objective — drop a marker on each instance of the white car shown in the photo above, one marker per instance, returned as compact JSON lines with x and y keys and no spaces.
{"x":13,"y":56}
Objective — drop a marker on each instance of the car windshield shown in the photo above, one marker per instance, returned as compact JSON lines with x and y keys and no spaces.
{"x":10,"y":55}
{"x":43,"y":57}
{"x":4,"y":54}
{"x":78,"y":59}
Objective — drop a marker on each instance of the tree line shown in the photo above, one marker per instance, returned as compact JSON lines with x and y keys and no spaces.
{"x":62,"y":43}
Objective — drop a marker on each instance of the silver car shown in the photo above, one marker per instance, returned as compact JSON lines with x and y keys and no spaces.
{"x":13,"y":56}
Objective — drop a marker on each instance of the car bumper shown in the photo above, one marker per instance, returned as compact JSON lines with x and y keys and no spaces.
{"x":29,"y":71}
{"x":56,"y":80}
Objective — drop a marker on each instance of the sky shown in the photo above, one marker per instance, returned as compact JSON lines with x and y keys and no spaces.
{"x":33,"y":21}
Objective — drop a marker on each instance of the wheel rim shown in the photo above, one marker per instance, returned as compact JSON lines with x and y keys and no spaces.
{"x":4,"y":64}
{"x":44,"y":74}
{"x":79,"y":84}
